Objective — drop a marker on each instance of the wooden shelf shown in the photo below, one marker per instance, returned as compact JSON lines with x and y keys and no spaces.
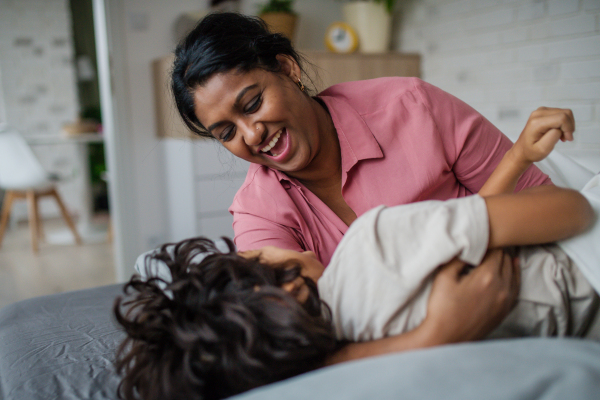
{"x":332,"y":68}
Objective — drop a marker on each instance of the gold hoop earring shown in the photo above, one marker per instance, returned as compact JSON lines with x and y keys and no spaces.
{"x":300,"y":85}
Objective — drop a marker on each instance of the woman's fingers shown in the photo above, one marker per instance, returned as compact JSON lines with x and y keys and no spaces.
{"x":515,"y":285}
{"x":469,"y":306}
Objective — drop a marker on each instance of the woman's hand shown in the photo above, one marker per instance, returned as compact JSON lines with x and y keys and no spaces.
{"x":544,"y":128}
{"x":464,"y":307}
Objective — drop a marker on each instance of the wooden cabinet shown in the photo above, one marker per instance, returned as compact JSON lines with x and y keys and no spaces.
{"x":168,"y":122}
{"x":331,"y":68}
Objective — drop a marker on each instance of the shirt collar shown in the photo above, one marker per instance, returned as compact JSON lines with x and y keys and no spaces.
{"x":357,"y":141}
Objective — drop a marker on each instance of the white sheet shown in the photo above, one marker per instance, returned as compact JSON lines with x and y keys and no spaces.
{"x":564,"y":171}
{"x":584,"y":249}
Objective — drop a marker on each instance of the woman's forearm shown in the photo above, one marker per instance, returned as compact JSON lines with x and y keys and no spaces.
{"x":418,"y":338}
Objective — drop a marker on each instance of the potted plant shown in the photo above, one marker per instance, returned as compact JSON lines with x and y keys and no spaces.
{"x":280,"y":17}
{"x":372,"y":20}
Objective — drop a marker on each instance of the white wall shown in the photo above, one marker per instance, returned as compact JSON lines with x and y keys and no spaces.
{"x":506,"y":58}
{"x":148,"y":35}
{"x":38,"y":87}
{"x":503,"y":57}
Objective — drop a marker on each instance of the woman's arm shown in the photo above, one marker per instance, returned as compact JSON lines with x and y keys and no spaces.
{"x":472,"y":145}
{"x":544,"y":128}
{"x":460,"y":308}
{"x":537,"y":215}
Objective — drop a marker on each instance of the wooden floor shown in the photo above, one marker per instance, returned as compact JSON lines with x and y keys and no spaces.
{"x":57,"y":268}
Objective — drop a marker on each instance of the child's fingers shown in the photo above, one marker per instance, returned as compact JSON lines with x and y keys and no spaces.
{"x":561,"y":118}
{"x":567,"y":137}
{"x":547,"y":142}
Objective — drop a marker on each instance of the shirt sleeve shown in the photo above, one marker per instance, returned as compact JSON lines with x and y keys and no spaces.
{"x":253,"y":232}
{"x":415,"y":239}
{"x":473,"y":145}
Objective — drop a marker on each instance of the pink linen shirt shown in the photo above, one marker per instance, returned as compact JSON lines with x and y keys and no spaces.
{"x":402,"y":140}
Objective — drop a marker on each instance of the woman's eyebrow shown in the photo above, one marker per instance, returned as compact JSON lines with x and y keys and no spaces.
{"x":242,"y":93}
{"x":238,"y":99}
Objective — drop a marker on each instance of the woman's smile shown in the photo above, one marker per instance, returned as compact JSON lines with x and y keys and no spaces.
{"x":278,"y":147}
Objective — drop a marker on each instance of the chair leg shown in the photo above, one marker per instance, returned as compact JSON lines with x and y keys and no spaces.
{"x":65,"y":215}
{"x":33,"y":219}
{"x":6,"y":205}
{"x":40,"y":227}
{"x":109,"y":231}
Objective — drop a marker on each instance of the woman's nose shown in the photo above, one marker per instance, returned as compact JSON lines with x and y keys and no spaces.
{"x":254,"y":134}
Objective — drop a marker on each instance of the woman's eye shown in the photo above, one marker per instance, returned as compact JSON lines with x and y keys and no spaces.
{"x":254,"y":104}
{"x":227,"y":134}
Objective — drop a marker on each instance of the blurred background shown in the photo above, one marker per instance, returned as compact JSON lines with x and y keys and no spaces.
{"x":84,"y":82}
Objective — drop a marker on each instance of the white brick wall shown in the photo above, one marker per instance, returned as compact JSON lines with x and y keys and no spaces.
{"x":506,"y":58}
{"x":38,"y":84}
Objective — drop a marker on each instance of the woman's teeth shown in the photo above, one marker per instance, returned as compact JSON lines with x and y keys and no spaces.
{"x":272,"y":143}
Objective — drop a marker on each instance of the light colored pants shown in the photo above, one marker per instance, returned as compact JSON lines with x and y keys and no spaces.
{"x":555,"y":298}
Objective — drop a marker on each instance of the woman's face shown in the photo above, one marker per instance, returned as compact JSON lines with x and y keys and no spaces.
{"x":310,"y":267}
{"x":261,"y":116}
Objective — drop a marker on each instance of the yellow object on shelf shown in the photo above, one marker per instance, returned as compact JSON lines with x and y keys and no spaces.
{"x":281,"y":22}
{"x":341,"y":38}
{"x":80,"y":126}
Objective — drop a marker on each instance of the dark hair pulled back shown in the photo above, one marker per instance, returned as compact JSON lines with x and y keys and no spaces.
{"x":223,"y":42}
{"x":221,"y":326}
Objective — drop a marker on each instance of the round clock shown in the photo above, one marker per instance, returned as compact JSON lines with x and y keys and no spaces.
{"x":341,"y":38}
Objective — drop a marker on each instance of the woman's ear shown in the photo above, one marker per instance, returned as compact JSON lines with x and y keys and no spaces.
{"x":289,"y":66}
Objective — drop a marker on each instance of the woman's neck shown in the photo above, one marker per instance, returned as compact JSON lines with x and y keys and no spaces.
{"x":324,"y":175}
{"x":325,"y":170}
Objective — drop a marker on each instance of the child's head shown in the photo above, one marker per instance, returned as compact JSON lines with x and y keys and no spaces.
{"x":222,"y":325}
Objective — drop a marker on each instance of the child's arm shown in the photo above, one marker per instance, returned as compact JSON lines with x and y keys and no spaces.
{"x":543,"y":129}
{"x":537,"y":215}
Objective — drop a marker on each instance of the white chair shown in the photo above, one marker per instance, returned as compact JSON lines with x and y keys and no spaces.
{"x":23,"y":177}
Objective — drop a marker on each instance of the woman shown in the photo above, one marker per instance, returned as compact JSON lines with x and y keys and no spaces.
{"x":319,"y":162}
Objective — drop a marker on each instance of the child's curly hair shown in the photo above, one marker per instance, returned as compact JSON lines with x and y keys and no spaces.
{"x":221,"y":326}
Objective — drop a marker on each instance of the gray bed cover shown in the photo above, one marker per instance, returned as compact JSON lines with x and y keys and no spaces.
{"x":62,"y":347}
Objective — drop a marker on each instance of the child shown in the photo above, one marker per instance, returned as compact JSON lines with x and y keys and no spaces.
{"x":225,"y":324}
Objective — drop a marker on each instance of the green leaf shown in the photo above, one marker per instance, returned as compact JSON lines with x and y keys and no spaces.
{"x":283,"y":6}
{"x":389,"y":5}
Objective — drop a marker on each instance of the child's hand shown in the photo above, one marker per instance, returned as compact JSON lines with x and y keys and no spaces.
{"x":544,"y":128}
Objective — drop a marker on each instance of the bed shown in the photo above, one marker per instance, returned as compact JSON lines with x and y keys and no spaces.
{"x":62,"y":347}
